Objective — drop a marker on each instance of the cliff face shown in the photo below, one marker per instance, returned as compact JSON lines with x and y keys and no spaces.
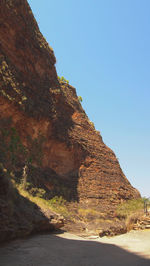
{"x":67,"y":153}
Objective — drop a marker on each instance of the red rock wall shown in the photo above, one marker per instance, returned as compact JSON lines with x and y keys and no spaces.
{"x":38,"y":103}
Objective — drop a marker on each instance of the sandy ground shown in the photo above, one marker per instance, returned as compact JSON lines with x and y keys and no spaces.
{"x":132,"y":249}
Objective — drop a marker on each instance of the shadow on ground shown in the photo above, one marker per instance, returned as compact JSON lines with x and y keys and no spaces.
{"x":46,"y":250}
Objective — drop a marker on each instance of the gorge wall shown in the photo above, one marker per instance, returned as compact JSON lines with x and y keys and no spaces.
{"x":44,"y":115}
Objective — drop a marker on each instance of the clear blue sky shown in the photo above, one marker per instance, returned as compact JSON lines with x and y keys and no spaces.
{"x":103,"y":48}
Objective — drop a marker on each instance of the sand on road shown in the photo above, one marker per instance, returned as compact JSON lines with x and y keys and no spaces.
{"x":131,"y":249}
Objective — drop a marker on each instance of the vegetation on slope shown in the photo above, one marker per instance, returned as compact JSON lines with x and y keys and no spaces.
{"x":56,"y":204}
{"x":131,"y":211}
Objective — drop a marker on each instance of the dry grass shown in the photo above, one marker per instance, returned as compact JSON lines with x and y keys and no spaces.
{"x":132,"y":206}
{"x":86,"y":212}
{"x":132,"y":219}
{"x":90,"y":214}
{"x":130,"y":212}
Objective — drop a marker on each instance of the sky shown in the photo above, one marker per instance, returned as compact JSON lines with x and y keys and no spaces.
{"x":103,"y":48}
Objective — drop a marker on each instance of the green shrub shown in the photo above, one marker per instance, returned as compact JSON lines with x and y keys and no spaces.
{"x":63,"y":79}
{"x":80,"y":99}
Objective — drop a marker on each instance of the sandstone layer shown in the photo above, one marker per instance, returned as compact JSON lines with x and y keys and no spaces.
{"x":68,"y":155}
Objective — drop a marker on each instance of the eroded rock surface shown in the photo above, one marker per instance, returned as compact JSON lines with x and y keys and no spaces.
{"x":74,"y":162}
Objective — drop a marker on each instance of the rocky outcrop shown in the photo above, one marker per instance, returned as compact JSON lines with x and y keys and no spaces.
{"x":20,"y":217}
{"x":142,"y":223}
{"x":67,"y":153}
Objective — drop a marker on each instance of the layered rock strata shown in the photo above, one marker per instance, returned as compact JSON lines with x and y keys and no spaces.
{"x":74,"y":163}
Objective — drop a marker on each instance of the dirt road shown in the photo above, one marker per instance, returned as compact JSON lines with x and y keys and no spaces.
{"x":132,"y":249}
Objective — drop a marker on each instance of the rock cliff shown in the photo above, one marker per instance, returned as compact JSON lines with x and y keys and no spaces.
{"x":43,"y":116}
